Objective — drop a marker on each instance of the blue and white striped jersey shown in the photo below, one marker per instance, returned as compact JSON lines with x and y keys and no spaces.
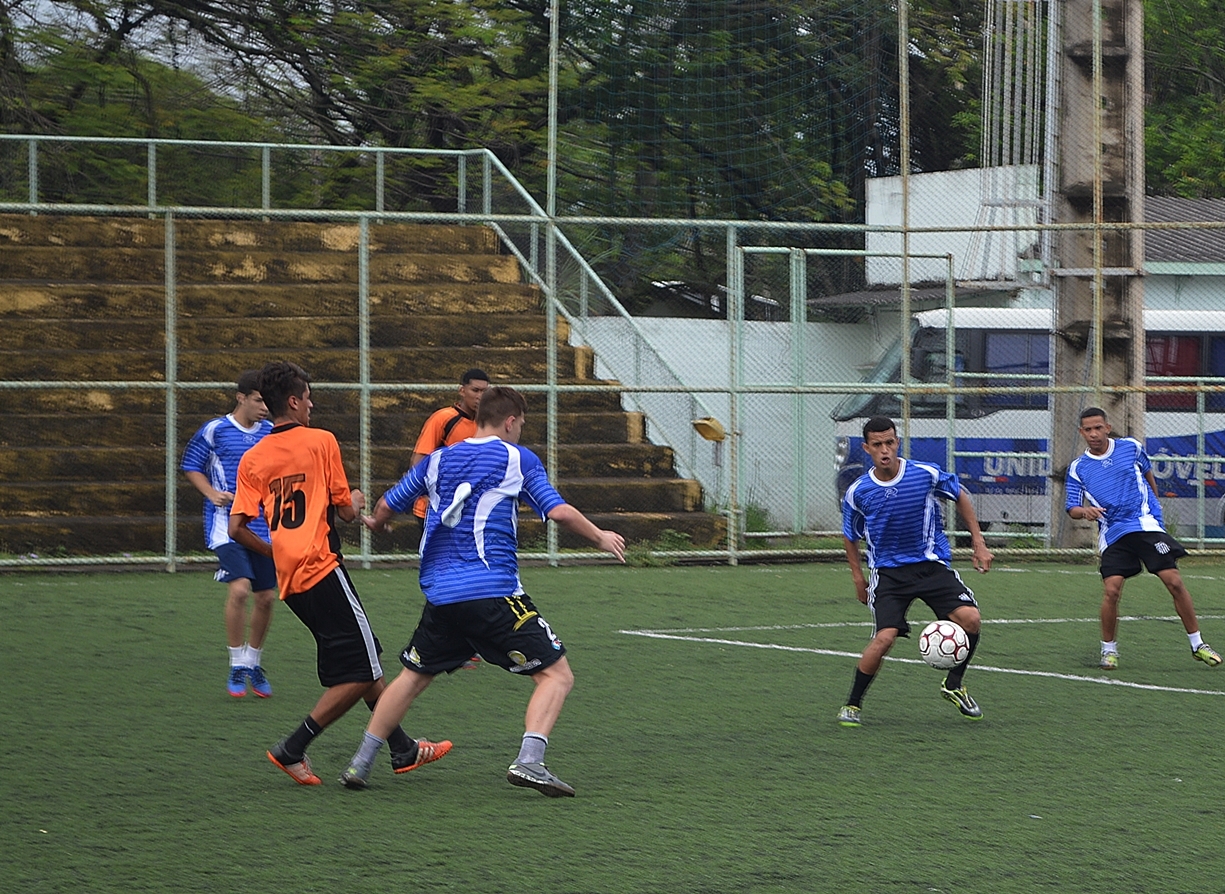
{"x":215,"y":450}
{"x":469,"y":548}
{"x":1115,"y":482}
{"x":900,"y":520}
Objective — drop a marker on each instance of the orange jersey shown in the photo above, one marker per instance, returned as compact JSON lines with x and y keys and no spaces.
{"x":297,"y":477}
{"x":443,"y":428}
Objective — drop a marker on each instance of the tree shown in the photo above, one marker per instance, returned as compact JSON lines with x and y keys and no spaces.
{"x":1185,"y":86}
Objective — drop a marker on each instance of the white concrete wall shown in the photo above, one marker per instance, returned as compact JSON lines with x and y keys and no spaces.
{"x":1165,"y":292}
{"x":968,"y":200}
{"x":786,"y":441}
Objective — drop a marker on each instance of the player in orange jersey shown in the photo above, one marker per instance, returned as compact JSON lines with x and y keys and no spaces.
{"x":295,"y":474}
{"x":445,"y":427}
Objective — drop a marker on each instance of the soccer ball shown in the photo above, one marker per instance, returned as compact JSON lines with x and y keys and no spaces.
{"x":944,"y":644}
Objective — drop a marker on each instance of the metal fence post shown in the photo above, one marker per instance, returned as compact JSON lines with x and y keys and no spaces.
{"x":265,"y":178}
{"x":32,"y":173}
{"x":363,"y":371}
{"x":151,"y":165}
{"x":172,"y":405}
{"x":799,"y":319}
{"x":735,"y":376}
{"x":380,"y":180}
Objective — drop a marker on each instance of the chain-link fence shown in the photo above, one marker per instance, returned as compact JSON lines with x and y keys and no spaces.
{"x":701,"y":315}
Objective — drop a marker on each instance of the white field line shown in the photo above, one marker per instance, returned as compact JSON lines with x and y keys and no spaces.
{"x":1103,"y":681}
{"x":1187,"y":575}
{"x":832,"y":624}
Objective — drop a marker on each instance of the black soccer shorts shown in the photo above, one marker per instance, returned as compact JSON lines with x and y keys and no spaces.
{"x":1157,"y":550}
{"x":347,"y":649}
{"x":505,"y":630}
{"x":893,"y":589}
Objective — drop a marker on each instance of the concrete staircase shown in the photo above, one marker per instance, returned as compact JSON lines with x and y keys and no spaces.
{"x":82,"y":470}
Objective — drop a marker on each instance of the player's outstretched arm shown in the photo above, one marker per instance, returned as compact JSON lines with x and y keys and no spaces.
{"x":573,"y":520}
{"x":981,"y":556}
{"x":380,"y":519}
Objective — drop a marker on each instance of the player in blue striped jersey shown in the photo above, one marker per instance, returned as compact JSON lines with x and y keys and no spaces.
{"x":1112,"y":483}
{"x":210,"y":462}
{"x":470,"y":577}
{"x":894,"y":508}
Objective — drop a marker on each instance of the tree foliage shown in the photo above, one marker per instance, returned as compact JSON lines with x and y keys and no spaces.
{"x":1185,"y":86}
{"x":688,"y":109}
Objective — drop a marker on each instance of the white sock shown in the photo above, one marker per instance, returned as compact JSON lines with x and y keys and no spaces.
{"x":532,"y":749}
{"x":1110,"y":647}
{"x":1196,"y":640}
{"x":368,"y":750}
{"x":238,"y":655}
{"x":253,"y":656}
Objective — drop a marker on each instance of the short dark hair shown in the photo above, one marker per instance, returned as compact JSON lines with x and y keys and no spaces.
{"x":875,"y":424}
{"x":1093,"y":411}
{"x":474,"y":373}
{"x":278,"y":381}
{"x":248,"y":381}
{"x":498,"y":402}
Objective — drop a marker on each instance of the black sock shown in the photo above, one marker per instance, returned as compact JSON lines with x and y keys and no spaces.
{"x":953,"y":681}
{"x":401,"y":746}
{"x":398,"y":743}
{"x":859,"y":687}
{"x":295,"y":745}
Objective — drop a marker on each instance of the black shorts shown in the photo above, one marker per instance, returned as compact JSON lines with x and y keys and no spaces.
{"x":348,"y":650}
{"x":1156,"y":549}
{"x":891,"y":590}
{"x":504,"y":630}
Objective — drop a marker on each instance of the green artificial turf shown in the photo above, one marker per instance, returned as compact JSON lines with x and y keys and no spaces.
{"x":706,"y":755}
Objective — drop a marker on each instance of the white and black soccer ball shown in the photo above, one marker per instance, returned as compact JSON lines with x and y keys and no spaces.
{"x":944,"y":644}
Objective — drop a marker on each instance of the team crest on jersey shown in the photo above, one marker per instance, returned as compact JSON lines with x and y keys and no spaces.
{"x":890,"y":492}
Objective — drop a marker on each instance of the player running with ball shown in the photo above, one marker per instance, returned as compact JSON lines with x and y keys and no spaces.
{"x":893,"y":508}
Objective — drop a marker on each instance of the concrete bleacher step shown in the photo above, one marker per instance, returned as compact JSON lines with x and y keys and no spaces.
{"x":78,"y":429}
{"x":145,"y":534}
{"x":49,"y":499}
{"x":86,"y":301}
{"x":264,"y":267}
{"x":197,"y":404}
{"x":336,"y":364}
{"x":83,"y":463}
{"x":466,"y":331}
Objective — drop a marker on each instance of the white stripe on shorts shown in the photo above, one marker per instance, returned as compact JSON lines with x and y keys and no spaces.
{"x":363,"y":624}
